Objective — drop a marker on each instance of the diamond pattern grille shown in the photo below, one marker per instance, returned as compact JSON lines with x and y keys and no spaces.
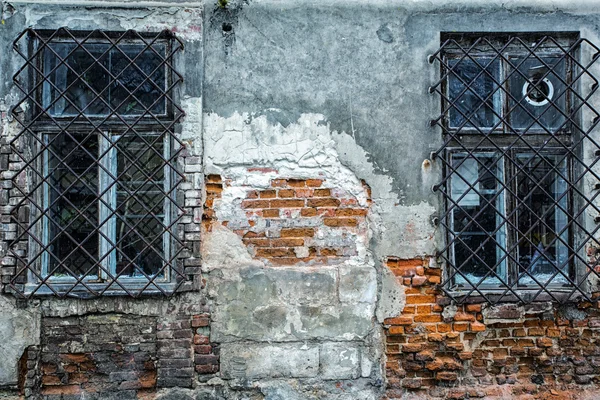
{"x":520,"y":157}
{"x":98,"y":154}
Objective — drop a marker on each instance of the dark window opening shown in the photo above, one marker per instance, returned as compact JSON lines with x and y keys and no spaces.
{"x":101,"y":155}
{"x":517,"y":121}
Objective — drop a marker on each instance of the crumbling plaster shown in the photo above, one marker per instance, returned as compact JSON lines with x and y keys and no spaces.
{"x":335,"y":90}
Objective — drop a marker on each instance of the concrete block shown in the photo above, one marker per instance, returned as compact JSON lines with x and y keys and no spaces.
{"x":340,"y":361}
{"x":19,"y":328}
{"x":358,"y":284}
{"x":252,"y":361}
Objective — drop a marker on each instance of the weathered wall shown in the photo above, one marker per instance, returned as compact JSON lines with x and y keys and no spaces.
{"x":308,"y":190}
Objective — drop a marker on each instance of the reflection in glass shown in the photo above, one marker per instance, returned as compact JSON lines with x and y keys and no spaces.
{"x":541,"y":209}
{"x":477,"y":225}
{"x":538,"y":93}
{"x":71,"y":196}
{"x":94,"y":79}
{"x":481,"y":103}
{"x":139,"y":226}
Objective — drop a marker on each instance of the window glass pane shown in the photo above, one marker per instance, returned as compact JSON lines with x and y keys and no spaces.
{"x":95,"y":78}
{"x":478,"y":230}
{"x":140,"y":79}
{"x":72,"y":201}
{"x":474,"y":95}
{"x":77,"y":79}
{"x":538,"y":97}
{"x":542,"y":215}
{"x":141,"y":205}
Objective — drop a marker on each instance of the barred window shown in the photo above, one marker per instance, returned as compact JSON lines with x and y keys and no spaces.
{"x":517,"y":122}
{"x":99,"y":150}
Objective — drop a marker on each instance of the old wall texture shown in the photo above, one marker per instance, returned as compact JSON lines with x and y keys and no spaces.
{"x":309,"y":220}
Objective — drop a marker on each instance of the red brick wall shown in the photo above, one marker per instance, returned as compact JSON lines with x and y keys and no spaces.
{"x":531,"y":352}
{"x":121,"y":354}
{"x":303,"y":221}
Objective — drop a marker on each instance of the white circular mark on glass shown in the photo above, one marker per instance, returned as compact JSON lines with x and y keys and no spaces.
{"x":538,"y":94}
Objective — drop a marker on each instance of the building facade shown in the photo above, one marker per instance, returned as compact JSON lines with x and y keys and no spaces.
{"x":245,"y":199}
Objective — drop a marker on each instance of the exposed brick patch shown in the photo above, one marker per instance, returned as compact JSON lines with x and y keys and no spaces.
{"x":116,"y":353}
{"x":214,"y":188}
{"x":100,"y":354}
{"x":174,"y":351}
{"x":297,"y":221}
{"x":206,"y":354}
{"x":29,"y":372}
{"x":530,"y":353}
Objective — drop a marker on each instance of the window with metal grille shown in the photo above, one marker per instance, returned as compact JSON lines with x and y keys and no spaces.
{"x":98,"y":148}
{"x":519,"y":156}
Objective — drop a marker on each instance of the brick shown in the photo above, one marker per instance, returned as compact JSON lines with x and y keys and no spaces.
{"x":436,"y":337}
{"x":412,"y":348}
{"x":287,"y":242}
{"x":336,"y":222}
{"x":477,"y":327}
{"x":525,"y":343}
{"x":214,"y":187}
{"x":296,"y":183}
{"x":203,"y":349}
{"x":308,"y":212}
{"x":419,"y":280}
{"x":428,"y":318}
{"x":435,"y":365}
{"x":213,"y":178}
{"x":58,"y":390}
{"x":401,"y":320}
{"x":413,"y":383}
{"x":535,"y":331}
{"x":271,"y":213}
{"x":207,"y":369}
{"x":200,"y":321}
{"x":460,"y":326}
{"x":206,"y":359}
{"x":279,"y":183}
{"x":303,"y":193}
{"x":396,"y":330}
{"x":275,"y":252}
{"x":255,"y":204}
{"x":474,"y":308}
{"x":314,"y":182}
{"x":405,"y":271}
{"x":322,"y":192}
{"x":351,"y":212}
{"x":323,"y":202}
{"x":286,"y":203}
{"x":267,"y":194}
{"x":460,"y":316}
{"x":201,"y":339}
{"x":255,"y":235}
{"x":426,"y":355}
{"x":446,"y":376}
{"x":426,"y":309}
{"x":544,"y":342}
{"x":258,"y":242}
{"x":285,"y":193}
{"x":297,"y":232}
{"x":420,"y":299}
{"x":328,"y":252}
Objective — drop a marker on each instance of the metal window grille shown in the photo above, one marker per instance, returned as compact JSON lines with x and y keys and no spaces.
{"x":520,"y":171}
{"x":96,"y":206}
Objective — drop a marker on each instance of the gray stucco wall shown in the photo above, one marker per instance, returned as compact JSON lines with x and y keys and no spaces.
{"x":329,"y":89}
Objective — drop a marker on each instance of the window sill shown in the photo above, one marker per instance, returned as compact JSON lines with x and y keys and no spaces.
{"x":135,"y":289}
{"x":559,"y":294}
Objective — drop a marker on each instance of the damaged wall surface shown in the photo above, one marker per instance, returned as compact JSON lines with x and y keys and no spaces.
{"x":309,"y":222}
